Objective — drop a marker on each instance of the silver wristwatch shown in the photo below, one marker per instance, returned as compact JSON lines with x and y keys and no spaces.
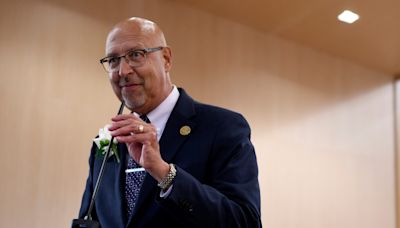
{"x":167,"y":180}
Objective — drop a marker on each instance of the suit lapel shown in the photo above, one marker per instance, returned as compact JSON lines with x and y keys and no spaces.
{"x":170,"y":142}
{"x":172,"y":137}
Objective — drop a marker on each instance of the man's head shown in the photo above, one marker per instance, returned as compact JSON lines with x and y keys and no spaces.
{"x":145,"y":83}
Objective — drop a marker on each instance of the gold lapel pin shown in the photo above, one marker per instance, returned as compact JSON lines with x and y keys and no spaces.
{"x":185,"y":130}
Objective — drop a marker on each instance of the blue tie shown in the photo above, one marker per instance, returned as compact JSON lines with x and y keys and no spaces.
{"x":133,"y":181}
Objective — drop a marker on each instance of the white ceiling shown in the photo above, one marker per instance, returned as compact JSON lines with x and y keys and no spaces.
{"x":372,"y":41}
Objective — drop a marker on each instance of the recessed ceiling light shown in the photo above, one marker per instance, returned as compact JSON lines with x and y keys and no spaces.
{"x":348,"y":17}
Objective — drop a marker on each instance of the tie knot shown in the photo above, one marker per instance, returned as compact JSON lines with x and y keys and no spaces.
{"x":145,"y":118}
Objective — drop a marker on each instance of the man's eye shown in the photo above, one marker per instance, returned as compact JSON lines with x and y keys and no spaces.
{"x":135,"y":55}
{"x":112,"y":60}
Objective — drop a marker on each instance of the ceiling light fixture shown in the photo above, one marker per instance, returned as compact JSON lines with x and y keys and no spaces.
{"x":348,"y":17}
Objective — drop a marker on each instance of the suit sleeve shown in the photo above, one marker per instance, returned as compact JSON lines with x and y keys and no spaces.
{"x":232,"y":197}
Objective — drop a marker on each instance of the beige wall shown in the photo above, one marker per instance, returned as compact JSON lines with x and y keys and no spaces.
{"x":322,"y":127}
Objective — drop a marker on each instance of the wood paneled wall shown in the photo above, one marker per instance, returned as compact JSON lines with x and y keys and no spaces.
{"x":322,"y":126}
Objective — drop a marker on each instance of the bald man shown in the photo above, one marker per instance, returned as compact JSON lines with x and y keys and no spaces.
{"x":182,"y":163}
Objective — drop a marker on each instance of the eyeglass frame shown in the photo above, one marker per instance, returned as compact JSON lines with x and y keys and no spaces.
{"x":144,"y":50}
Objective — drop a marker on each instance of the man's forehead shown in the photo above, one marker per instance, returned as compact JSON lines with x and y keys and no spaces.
{"x":134,"y":33}
{"x":121,"y":41}
{"x":122,"y":47}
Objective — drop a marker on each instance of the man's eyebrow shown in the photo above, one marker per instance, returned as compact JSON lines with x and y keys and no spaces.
{"x":112,"y":54}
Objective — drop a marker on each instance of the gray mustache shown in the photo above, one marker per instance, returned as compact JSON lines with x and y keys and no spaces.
{"x":126,"y":81}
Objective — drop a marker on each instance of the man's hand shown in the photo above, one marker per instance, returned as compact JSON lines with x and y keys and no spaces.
{"x":141,"y":141}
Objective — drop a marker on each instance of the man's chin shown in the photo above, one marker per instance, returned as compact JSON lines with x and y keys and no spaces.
{"x":133,"y":104}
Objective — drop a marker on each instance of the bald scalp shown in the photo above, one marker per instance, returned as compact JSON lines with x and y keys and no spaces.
{"x":140,"y":28}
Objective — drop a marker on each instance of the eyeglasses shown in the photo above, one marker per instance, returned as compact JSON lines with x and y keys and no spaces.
{"x":135,"y":58}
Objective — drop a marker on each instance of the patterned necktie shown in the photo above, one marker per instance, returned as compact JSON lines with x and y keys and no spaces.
{"x":133,"y":181}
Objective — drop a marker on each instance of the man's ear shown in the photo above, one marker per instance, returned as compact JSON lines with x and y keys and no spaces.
{"x":167,"y":55}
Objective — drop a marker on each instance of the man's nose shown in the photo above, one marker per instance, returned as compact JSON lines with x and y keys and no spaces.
{"x":124,"y":67}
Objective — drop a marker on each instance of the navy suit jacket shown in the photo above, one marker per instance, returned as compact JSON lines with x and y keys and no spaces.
{"x":217,"y":175}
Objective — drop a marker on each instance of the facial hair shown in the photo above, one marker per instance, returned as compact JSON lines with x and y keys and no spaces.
{"x":132,"y":100}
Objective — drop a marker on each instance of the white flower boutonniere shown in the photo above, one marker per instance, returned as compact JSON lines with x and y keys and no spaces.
{"x":103,"y":142}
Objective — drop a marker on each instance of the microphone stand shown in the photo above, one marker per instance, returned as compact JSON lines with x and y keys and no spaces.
{"x":88,"y":222}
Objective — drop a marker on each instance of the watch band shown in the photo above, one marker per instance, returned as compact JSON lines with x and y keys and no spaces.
{"x":167,"y":180}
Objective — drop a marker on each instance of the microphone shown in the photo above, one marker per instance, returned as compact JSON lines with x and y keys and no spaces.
{"x":88,"y":222}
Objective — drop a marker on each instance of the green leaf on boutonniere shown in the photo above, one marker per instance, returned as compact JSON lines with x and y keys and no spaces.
{"x":104,"y":143}
{"x":115,"y":149}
